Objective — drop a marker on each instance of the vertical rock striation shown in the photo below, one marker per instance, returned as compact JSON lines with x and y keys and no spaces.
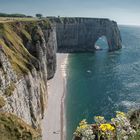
{"x":81,"y":34}
{"x":27,"y":61}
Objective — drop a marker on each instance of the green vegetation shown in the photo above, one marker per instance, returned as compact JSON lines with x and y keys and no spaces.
{"x":15,"y":19}
{"x":134,"y":117}
{"x":13,"y":128}
{"x":119,"y":128}
{"x":26,"y":34}
{"x":13,"y":15}
{"x":39,"y":16}
{"x":2,"y":102}
{"x":13,"y":47}
{"x":13,"y":37}
{"x":46,"y":24}
{"x":9,"y":90}
{"x":136,"y":136}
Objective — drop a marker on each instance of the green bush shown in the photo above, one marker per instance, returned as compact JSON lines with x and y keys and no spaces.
{"x":119,"y":128}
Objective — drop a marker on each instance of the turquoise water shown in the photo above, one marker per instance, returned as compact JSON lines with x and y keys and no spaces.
{"x":103,"y":82}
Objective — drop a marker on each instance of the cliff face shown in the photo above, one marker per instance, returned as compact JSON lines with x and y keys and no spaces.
{"x":27,"y":61}
{"x":81,"y":34}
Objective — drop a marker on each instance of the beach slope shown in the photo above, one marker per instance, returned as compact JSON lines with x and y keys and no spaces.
{"x":53,"y":123}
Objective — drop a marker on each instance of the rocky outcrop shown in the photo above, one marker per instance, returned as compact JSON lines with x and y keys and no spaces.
{"x":14,"y":128}
{"x":27,"y":61}
{"x":81,"y":34}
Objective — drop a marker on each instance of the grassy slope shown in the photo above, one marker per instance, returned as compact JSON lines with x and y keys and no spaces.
{"x":11,"y":41}
{"x":13,"y":47}
{"x":14,"y":34}
{"x":13,"y":128}
{"x":10,"y":19}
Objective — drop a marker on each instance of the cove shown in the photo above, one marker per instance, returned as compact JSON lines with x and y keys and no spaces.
{"x":103,"y":82}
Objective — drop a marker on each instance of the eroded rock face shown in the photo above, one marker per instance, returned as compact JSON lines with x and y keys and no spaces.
{"x":81,"y":34}
{"x":51,"y":51}
{"x":27,"y":61}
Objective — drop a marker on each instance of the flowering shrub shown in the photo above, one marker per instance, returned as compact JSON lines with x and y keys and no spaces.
{"x":136,"y":136}
{"x":107,"y":131}
{"x":119,"y":128}
{"x":123,"y":127}
{"x":107,"y":127}
{"x":84,"y":131}
{"x":99,"y":119}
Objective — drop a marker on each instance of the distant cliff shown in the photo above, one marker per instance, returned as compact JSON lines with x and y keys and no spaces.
{"x":28,"y":59}
{"x":81,"y":34}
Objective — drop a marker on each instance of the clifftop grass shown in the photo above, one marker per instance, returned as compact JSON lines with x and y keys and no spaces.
{"x":12,"y":45}
{"x":18,"y":44}
{"x":14,"y":36}
{"x":14,"y":19}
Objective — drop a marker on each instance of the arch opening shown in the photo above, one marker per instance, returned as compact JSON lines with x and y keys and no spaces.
{"x":101,"y":43}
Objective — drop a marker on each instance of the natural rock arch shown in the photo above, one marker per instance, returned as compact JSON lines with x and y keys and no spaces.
{"x":101,"y":43}
{"x":80,"y":34}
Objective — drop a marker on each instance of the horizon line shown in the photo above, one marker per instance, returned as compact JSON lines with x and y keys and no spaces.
{"x":33,"y":15}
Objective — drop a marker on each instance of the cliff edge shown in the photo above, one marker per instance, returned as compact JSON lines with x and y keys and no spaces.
{"x":81,"y":34}
{"x":27,"y":61}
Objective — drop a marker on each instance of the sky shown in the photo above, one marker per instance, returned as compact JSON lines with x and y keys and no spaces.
{"x":123,"y":11}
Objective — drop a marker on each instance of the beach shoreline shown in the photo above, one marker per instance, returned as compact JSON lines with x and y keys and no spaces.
{"x":54,"y":122}
{"x":63,"y":113}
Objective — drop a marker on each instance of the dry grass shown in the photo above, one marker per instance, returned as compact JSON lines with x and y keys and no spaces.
{"x":14,"y":49}
{"x":13,"y":128}
{"x":13,"y":19}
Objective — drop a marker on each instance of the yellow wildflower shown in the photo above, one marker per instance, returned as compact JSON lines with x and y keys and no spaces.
{"x":122,"y":114}
{"x":99,"y":117}
{"x":113,"y":119}
{"x":107,"y":127}
{"x":83,"y":126}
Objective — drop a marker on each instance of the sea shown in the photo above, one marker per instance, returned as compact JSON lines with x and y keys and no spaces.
{"x":103,"y":82}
